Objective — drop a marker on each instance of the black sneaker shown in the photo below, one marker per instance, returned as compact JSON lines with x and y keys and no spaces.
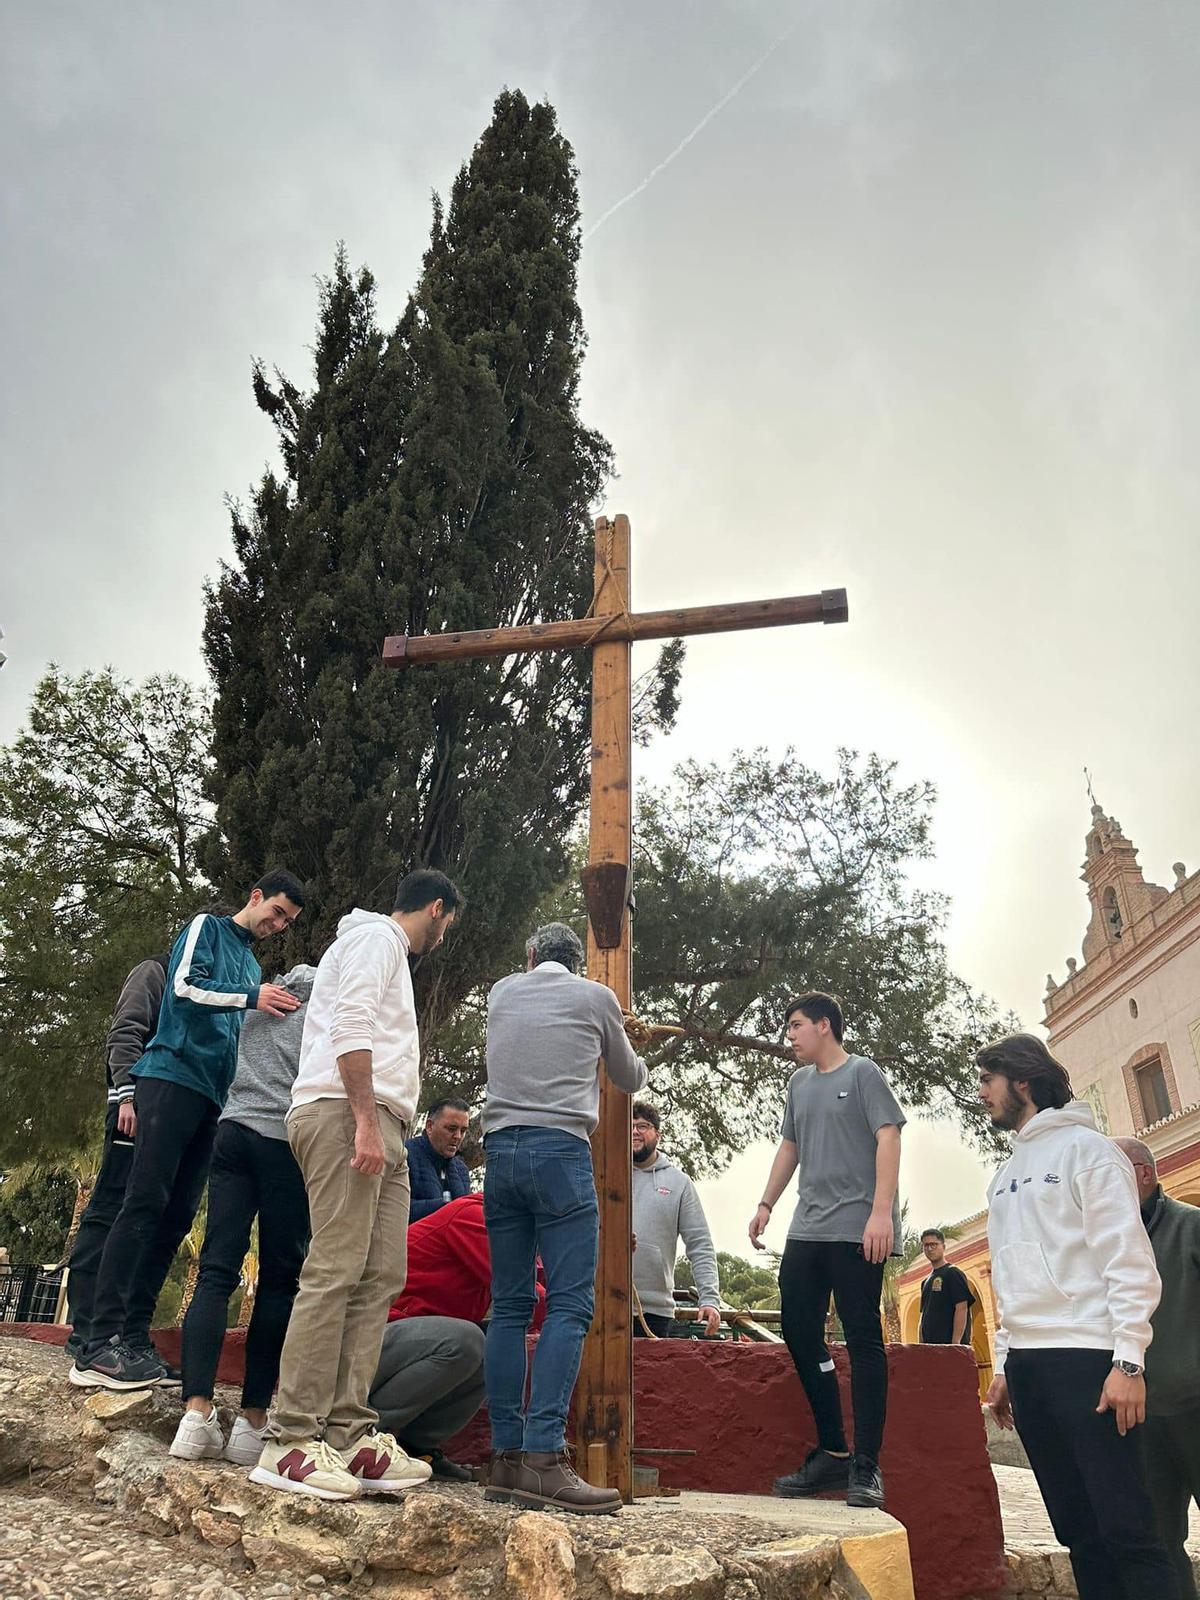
{"x":866,"y":1483}
{"x":442,"y":1467}
{"x":114,"y":1366}
{"x":74,"y":1347}
{"x":171,"y":1378}
{"x":820,"y":1474}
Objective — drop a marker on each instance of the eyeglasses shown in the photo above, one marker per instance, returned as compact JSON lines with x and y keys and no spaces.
{"x":644,"y":1127}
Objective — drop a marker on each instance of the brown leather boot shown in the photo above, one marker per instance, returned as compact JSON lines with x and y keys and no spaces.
{"x":548,"y":1479}
{"x":502,"y":1476}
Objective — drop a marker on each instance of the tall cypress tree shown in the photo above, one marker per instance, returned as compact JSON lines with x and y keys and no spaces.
{"x":438,"y":478}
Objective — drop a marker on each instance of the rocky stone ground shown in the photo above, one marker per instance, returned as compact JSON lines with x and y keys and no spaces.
{"x":93,"y":1506}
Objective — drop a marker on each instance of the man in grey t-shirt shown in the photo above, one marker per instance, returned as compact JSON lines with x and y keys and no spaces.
{"x":841,"y":1126}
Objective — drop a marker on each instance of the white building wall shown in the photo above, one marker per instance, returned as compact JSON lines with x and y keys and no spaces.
{"x":1095,"y":1051}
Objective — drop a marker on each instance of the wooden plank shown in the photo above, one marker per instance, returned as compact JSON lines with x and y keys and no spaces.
{"x":604,"y":1394}
{"x":829,"y":606}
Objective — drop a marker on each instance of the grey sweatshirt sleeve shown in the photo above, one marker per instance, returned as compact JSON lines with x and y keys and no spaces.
{"x":698,"y":1245}
{"x":622,"y":1063}
{"x":134,"y":1022}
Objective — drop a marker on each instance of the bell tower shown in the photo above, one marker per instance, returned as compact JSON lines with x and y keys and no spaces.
{"x":1118,"y":892}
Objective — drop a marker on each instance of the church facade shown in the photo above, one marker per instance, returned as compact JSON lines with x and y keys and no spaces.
{"x":1126,"y":1025}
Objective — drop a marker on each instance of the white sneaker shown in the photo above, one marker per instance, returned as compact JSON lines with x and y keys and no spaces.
{"x":245,"y":1443}
{"x":198,"y":1437}
{"x":380,"y":1466}
{"x":310,"y":1467}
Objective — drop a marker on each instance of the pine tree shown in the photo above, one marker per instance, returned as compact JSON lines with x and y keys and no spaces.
{"x":101,"y":816}
{"x":438,"y":478}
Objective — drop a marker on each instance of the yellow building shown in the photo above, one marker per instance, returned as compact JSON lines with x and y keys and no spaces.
{"x":1126,"y":1025}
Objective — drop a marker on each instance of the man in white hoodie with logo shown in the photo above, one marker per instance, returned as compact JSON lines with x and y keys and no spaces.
{"x":1076,"y":1286}
{"x":352,"y":1107}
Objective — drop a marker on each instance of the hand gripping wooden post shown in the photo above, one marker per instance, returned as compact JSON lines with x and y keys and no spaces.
{"x":604,"y":1393}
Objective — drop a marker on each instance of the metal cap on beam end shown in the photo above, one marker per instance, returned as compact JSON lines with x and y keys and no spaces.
{"x":835,"y":607}
{"x":395,"y":650}
{"x":606,"y":892}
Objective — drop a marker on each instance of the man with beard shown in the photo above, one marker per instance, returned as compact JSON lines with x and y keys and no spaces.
{"x":1076,"y":1286}
{"x":666,"y":1207}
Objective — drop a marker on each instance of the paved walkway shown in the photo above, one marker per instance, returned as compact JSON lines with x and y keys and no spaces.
{"x":1024,"y":1515}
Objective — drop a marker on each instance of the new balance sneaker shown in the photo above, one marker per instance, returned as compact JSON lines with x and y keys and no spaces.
{"x":820,"y":1474}
{"x":502,"y":1477}
{"x":547,"y":1479}
{"x":198,"y":1437}
{"x":866,"y":1483}
{"x":310,"y":1467}
{"x":114,"y":1366}
{"x":380,"y":1466}
{"x":245,"y":1443}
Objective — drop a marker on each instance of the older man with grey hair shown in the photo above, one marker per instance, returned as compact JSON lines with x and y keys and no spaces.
{"x":547,"y":1030}
{"x":1172,"y":1431}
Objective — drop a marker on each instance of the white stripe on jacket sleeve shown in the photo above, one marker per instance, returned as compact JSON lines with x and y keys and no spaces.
{"x":188,"y":991}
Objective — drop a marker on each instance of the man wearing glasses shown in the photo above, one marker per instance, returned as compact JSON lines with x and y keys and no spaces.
{"x":183,"y":1081}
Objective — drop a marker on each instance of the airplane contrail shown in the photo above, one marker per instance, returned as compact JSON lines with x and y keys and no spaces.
{"x":698,"y":129}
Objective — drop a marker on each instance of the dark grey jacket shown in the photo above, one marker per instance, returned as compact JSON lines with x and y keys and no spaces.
{"x":1173,"y":1357}
{"x":133,"y":1024}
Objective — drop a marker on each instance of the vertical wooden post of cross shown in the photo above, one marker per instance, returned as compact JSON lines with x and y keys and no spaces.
{"x":604,"y":1395}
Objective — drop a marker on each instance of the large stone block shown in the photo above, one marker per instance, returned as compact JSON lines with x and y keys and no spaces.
{"x":539,"y":1558}
{"x":675,"y":1573}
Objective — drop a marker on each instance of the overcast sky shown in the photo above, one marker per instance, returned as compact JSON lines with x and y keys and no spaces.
{"x":914,"y":312}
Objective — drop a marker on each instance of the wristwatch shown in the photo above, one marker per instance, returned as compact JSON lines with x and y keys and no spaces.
{"x":1129,"y":1368}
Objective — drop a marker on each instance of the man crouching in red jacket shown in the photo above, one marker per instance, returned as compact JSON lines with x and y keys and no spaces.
{"x":429,"y":1382}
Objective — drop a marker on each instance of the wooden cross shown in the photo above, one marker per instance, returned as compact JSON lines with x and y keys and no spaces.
{"x":604,"y":1393}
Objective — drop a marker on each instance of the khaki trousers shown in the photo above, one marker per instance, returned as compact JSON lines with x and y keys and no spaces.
{"x":356,"y":1266}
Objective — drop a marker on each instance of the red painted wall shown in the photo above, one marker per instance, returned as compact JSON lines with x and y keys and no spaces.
{"x":741,"y":1409}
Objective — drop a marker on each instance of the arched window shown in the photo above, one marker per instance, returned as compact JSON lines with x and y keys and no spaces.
{"x":1112,"y":913}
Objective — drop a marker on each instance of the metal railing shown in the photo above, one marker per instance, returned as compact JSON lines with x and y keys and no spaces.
{"x":29,"y":1294}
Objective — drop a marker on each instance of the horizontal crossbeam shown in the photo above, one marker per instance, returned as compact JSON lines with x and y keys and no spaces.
{"x":829,"y":606}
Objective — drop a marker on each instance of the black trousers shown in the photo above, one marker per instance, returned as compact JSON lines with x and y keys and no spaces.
{"x":812,"y":1270}
{"x":1172,"y":1449}
{"x":250,"y":1176}
{"x":1091,"y":1478}
{"x":660,"y":1327}
{"x":98,"y":1218}
{"x":175,"y":1128}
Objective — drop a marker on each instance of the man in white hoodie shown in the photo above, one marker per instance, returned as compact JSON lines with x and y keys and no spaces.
{"x":352,"y":1106}
{"x":1075,"y":1285}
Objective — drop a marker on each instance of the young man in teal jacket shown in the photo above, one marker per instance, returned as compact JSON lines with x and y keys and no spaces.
{"x":183,"y":1080}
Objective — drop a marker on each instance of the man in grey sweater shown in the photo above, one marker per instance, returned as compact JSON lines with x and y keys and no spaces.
{"x":666,"y":1207}
{"x":253,"y":1173}
{"x":547,"y":1031}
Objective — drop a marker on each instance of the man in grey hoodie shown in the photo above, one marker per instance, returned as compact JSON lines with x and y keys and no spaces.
{"x":253,"y":1174}
{"x":666,"y":1207}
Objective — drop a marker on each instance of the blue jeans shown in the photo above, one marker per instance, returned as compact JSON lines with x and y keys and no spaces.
{"x":539,"y":1199}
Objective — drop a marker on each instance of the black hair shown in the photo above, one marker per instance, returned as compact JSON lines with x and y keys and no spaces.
{"x":643,"y":1111}
{"x":419,"y":889}
{"x":280,"y":882}
{"x":816,"y":1005}
{"x":933,"y":1233}
{"x":447,"y":1103}
{"x":1022,"y":1058}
